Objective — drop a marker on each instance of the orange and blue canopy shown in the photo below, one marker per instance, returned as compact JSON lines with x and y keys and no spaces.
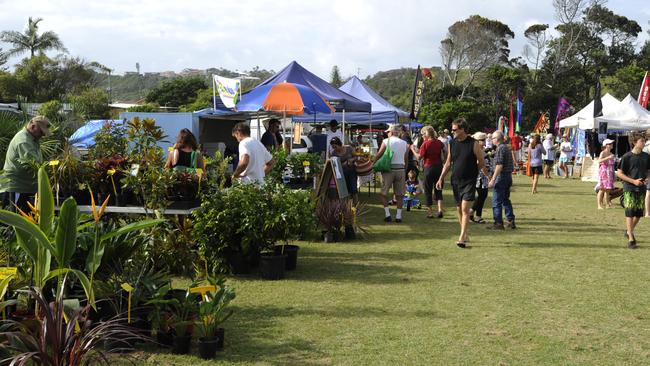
{"x":288,"y":98}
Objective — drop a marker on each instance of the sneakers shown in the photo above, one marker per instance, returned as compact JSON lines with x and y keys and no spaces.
{"x":632,"y":244}
{"x":439,"y":214}
{"x":511,"y":225}
{"x":398,"y":220}
{"x":496,"y":226}
{"x":388,"y":219}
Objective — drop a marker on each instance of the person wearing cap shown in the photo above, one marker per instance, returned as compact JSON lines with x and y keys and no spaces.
{"x":606,"y":176}
{"x":466,"y":156}
{"x":634,"y":170}
{"x":20,"y":182}
{"x":331,"y":133}
{"x":566,"y":153}
{"x":548,"y":155}
{"x":501,"y":181}
{"x":396,"y":177}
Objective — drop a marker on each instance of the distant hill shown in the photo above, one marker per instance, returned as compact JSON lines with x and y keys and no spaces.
{"x":396,"y":86}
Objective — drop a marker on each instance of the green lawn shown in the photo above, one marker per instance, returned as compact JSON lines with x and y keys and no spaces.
{"x":561,"y":289}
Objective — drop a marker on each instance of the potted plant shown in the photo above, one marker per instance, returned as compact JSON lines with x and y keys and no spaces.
{"x":63,"y":336}
{"x":183,"y":313}
{"x":212,"y":313}
{"x":291,"y":215}
{"x":330,"y":216}
{"x":227,"y":228}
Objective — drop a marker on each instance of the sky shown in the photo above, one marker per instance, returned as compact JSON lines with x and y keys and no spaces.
{"x":361,"y":37}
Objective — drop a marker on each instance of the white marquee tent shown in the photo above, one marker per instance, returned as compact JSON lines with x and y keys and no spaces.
{"x":629,"y":115}
{"x":584,"y":119}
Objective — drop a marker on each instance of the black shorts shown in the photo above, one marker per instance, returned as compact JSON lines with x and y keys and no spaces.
{"x":464,"y":192}
{"x":536,"y":170}
{"x":549,"y":162}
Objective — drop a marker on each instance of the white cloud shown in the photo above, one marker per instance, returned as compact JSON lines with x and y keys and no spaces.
{"x":370,"y":35}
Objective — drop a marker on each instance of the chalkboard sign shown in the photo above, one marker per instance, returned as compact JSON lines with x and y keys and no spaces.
{"x":333,"y":170}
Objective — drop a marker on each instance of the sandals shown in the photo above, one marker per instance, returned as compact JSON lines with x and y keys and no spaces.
{"x":479,"y":221}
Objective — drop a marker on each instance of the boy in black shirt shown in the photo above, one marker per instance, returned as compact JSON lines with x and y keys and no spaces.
{"x":633,"y":171}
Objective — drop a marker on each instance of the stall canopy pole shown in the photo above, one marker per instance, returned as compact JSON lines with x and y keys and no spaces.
{"x":257,"y":115}
{"x":343,"y":129}
{"x":214,"y":94}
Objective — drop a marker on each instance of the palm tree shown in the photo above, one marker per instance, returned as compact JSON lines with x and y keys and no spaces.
{"x":31,"y":41}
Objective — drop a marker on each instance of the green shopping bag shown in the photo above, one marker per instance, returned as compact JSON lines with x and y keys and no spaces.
{"x":385,"y":161}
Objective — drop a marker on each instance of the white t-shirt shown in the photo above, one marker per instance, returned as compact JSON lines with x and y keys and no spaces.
{"x":566,"y":150}
{"x":398,"y":146}
{"x":258,"y":156}
{"x":331,"y":134}
{"x":549,"y":150}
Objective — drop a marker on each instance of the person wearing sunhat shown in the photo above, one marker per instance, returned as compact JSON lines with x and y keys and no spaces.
{"x":19,"y":179}
{"x":331,"y":133}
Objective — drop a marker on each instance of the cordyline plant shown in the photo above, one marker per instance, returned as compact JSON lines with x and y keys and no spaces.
{"x":42,"y":237}
{"x":62,"y":337}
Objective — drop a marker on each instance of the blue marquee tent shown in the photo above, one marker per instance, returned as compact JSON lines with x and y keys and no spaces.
{"x":339,"y":100}
{"x":382,"y":111}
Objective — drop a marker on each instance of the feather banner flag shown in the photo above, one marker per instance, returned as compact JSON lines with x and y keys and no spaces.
{"x":520,"y":110}
{"x":644,"y":93}
{"x":563,"y":107}
{"x":511,"y":124}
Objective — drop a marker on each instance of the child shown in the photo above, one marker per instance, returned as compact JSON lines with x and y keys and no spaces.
{"x":412,"y":191}
{"x":633,"y":171}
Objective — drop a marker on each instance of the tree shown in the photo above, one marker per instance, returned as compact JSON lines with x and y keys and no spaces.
{"x":91,"y":103}
{"x":335,"y":77}
{"x":31,"y":41}
{"x":537,"y":42}
{"x":3,"y":60}
{"x":568,"y":13}
{"x":626,"y":80}
{"x":472,"y":45}
{"x":177,"y":92}
{"x":618,"y":34}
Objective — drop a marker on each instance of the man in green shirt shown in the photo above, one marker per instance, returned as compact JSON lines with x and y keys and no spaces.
{"x":19,"y":181}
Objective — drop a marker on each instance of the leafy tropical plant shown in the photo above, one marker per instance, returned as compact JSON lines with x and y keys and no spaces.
{"x":213,"y":308}
{"x":41,"y":239}
{"x":61,"y":337}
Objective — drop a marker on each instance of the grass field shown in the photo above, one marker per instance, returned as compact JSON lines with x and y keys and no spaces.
{"x":561,"y":289}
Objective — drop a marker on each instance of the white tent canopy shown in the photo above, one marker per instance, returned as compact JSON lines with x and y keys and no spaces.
{"x":629,"y":115}
{"x":584,"y":119}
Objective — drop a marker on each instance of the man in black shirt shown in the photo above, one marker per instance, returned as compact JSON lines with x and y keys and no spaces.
{"x":466,"y":155}
{"x":272,"y":139}
{"x":633,"y":171}
{"x":501,"y":181}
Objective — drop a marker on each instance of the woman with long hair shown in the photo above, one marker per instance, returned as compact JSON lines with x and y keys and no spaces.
{"x":606,"y":174}
{"x":430,"y":153}
{"x":534,"y":152}
{"x":185,"y":154}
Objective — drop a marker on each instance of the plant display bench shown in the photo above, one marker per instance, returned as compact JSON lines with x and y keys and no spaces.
{"x":137,"y":210}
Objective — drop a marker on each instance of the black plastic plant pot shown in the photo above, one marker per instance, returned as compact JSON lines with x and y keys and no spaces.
{"x":272,"y":266}
{"x":221,"y":333}
{"x":207,"y":347}
{"x":292,"y":255}
{"x":350,"y":234}
{"x":182,"y":344}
